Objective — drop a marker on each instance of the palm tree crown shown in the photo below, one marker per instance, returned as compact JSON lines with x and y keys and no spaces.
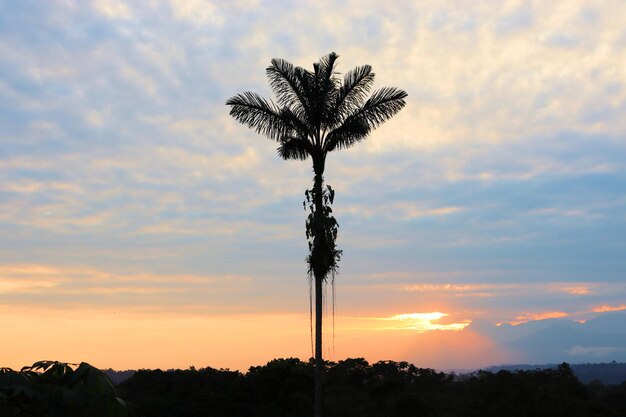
{"x":317,"y":112}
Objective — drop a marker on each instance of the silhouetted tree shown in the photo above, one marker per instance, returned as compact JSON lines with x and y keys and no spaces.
{"x":51,"y":389}
{"x":316,"y":113}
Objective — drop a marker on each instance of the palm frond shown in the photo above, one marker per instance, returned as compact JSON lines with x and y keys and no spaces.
{"x":259,"y":114}
{"x":298,"y":127}
{"x":354,"y":89}
{"x":327,"y":85}
{"x":350,"y":132}
{"x":287,"y":86}
{"x":327,"y":66}
{"x":306,"y":79}
{"x":294,"y":148}
{"x":380,"y":107}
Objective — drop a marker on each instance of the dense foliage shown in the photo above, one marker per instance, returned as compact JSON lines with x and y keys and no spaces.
{"x":283,"y":388}
{"x":57,"y":389}
{"x":353,"y":387}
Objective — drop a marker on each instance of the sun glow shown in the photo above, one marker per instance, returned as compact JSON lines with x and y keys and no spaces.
{"x":423,"y":322}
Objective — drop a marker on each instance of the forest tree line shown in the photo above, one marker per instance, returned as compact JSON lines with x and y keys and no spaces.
{"x":353,"y":387}
{"x":284,"y":388}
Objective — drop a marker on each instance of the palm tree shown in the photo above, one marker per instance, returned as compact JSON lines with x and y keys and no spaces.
{"x":316,"y":113}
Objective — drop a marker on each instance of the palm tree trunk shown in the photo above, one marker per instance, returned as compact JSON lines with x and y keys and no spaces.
{"x":319,"y":363}
{"x":319,"y":275}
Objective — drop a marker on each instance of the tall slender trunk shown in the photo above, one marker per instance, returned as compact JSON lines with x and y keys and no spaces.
{"x":319,"y":363}
{"x":318,"y":275}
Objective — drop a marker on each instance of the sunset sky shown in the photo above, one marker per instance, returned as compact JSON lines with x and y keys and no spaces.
{"x":142,"y":226}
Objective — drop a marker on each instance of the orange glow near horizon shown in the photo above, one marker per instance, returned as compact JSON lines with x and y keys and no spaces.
{"x":132,"y":340}
{"x":144,"y":320}
{"x":439,"y":349}
{"x":148,"y":333}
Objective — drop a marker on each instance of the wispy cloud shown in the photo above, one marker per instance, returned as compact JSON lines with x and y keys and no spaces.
{"x":113,"y":9}
{"x":605,"y":308}
{"x":507,"y":289}
{"x":58,"y":288}
{"x":600,"y":352}
{"x":526,"y":317}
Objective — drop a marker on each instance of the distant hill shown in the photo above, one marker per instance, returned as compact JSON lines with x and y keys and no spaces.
{"x":612,"y":373}
{"x":602,"y":339}
{"x":118,"y":377}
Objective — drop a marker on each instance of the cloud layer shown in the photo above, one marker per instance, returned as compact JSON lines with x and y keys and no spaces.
{"x":497,"y":193}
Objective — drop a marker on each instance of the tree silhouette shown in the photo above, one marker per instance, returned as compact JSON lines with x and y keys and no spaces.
{"x":355,"y":388}
{"x":316,"y":113}
{"x":51,"y":388}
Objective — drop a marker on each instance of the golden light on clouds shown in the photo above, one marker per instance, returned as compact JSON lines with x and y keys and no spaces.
{"x":470,"y":290}
{"x":505,"y":289}
{"x":21,"y":286}
{"x":423,"y":322}
{"x":606,"y":308}
{"x":53,"y":280}
{"x":523,"y":318}
{"x":576,"y":290}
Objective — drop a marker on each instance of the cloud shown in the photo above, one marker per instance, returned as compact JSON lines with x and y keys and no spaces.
{"x":507,"y":289}
{"x":526,"y":317}
{"x":199,"y":12}
{"x":605,"y":308}
{"x":59,"y":288}
{"x":577,"y":290}
{"x":113,"y":9}
{"x":598,"y":352}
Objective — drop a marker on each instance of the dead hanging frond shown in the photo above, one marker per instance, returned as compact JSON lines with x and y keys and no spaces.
{"x":311,"y":313}
{"x":332,"y":283}
{"x":321,"y":234}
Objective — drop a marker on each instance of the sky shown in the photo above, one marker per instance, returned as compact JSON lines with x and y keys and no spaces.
{"x":141,"y":226}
